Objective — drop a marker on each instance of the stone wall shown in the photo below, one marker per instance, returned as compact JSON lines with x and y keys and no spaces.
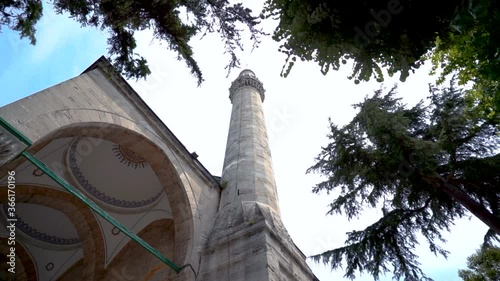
{"x":100,"y":104}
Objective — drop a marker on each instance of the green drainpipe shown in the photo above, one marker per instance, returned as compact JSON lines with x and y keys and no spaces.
{"x":62,"y":182}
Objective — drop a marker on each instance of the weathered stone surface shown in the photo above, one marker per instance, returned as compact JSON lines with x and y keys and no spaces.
{"x":100,"y":104}
{"x":217,"y":231}
{"x":248,"y":241}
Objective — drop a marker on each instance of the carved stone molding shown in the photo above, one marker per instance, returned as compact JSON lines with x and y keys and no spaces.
{"x":246,"y":78}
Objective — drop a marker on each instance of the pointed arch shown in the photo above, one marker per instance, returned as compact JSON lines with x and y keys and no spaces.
{"x":79,"y":214}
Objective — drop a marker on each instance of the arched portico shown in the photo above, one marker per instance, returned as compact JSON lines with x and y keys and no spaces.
{"x":88,"y":140}
{"x":99,"y":109}
{"x":81,"y":217}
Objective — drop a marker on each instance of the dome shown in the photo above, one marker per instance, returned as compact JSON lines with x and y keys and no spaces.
{"x":247,"y":72}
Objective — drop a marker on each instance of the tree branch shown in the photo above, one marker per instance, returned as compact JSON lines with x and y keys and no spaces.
{"x":468,"y":202}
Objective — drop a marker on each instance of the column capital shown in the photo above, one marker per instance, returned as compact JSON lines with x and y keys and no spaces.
{"x":246,"y":78}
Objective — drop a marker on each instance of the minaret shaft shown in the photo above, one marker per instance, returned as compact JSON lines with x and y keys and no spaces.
{"x":248,"y":241}
{"x":248,"y":174}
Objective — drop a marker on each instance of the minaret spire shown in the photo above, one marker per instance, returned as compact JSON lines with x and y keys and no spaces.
{"x":248,"y":241}
{"x":248,"y":174}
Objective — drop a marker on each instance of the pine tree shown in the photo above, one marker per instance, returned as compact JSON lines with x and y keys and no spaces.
{"x":484,"y":265}
{"x":424,"y":166}
{"x":122,"y":18}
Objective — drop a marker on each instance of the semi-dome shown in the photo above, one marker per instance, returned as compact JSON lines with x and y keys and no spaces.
{"x":113,"y":174}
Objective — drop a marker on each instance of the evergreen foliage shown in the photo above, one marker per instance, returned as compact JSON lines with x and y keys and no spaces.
{"x":388,"y":33}
{"x":122,"y":18}
{"x":424,"y":166}
{"x":484,"y":265}
{"x":21,"y":16}
{"x":473,"y":52}
{"x":396,"y":35}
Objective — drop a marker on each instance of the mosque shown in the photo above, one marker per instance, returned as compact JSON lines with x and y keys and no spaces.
{"x":94,"y":186}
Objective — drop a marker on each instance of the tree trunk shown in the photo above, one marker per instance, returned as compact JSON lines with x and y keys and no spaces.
{"x":472,"y":205}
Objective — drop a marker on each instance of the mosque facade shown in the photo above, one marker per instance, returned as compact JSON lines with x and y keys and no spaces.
{"x":98,"y":188}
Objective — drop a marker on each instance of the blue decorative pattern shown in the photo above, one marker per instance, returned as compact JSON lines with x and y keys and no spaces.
{"x":34,"y":233}
{"x":98,"y":194}
{"x":128,"y":157}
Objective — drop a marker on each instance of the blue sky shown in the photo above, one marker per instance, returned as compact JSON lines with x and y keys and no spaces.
{"x":62,"y":51}
{"x":308,"y":98}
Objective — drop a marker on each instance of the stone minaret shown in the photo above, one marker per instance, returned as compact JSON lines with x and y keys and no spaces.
{"x":248,"y":173}
{"x":248,"y":241}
